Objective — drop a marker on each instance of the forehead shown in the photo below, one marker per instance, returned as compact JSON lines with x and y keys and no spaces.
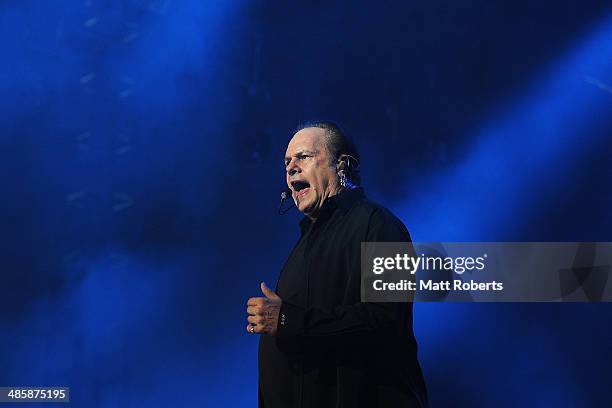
{"x":306,"y":139}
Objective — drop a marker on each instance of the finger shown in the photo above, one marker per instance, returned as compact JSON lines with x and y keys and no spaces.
{"x":254,"y":301}
{"x":254,"y":310}
{"x":255,"y":330}
{"x":268,"y":292}
{"x":255,"y":319}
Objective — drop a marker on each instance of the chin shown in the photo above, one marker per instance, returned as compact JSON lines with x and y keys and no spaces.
{"x":304,"y":208}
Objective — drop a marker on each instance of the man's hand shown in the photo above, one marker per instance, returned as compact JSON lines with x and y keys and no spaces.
{"x":263,"y":312}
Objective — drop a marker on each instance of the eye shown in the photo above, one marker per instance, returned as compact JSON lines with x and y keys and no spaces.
{"x":299,"y":157}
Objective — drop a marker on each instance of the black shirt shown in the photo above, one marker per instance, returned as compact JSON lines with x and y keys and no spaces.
{"x":332,"y":350}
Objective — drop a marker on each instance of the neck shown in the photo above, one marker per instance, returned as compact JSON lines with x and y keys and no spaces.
{"x":334,"y":191}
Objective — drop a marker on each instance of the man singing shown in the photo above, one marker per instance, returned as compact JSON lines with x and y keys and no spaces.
{"x":320,"y":345}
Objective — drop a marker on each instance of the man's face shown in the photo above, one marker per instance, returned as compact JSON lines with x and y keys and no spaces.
{"x":310,"y":175}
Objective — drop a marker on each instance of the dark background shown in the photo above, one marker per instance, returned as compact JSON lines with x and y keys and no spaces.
{"x":141,"y":150}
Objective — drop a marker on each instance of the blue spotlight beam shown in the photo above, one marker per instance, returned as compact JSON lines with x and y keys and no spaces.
{"x":537,"y":138}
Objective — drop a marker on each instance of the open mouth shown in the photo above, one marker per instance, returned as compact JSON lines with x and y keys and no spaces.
{"x":300,"y":187}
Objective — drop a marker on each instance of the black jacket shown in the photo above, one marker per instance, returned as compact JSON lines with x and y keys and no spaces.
{"x":331,"y":349}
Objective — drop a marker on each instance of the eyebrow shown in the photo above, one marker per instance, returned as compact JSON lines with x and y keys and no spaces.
{"x":299,"y":153}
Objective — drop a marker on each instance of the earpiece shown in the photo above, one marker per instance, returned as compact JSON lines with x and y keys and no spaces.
{"x":345,"y":167}
{"x":346,"y":164}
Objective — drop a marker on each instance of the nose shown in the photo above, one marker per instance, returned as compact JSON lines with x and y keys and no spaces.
{"x":292,"y":168}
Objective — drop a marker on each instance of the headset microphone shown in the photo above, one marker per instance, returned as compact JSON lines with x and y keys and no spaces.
{"x":284,"y":195}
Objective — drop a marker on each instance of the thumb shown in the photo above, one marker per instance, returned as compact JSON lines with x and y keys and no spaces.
{"x":268,"y":292}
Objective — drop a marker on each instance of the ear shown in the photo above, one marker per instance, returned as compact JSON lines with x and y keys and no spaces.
{"x":342,"y":165}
